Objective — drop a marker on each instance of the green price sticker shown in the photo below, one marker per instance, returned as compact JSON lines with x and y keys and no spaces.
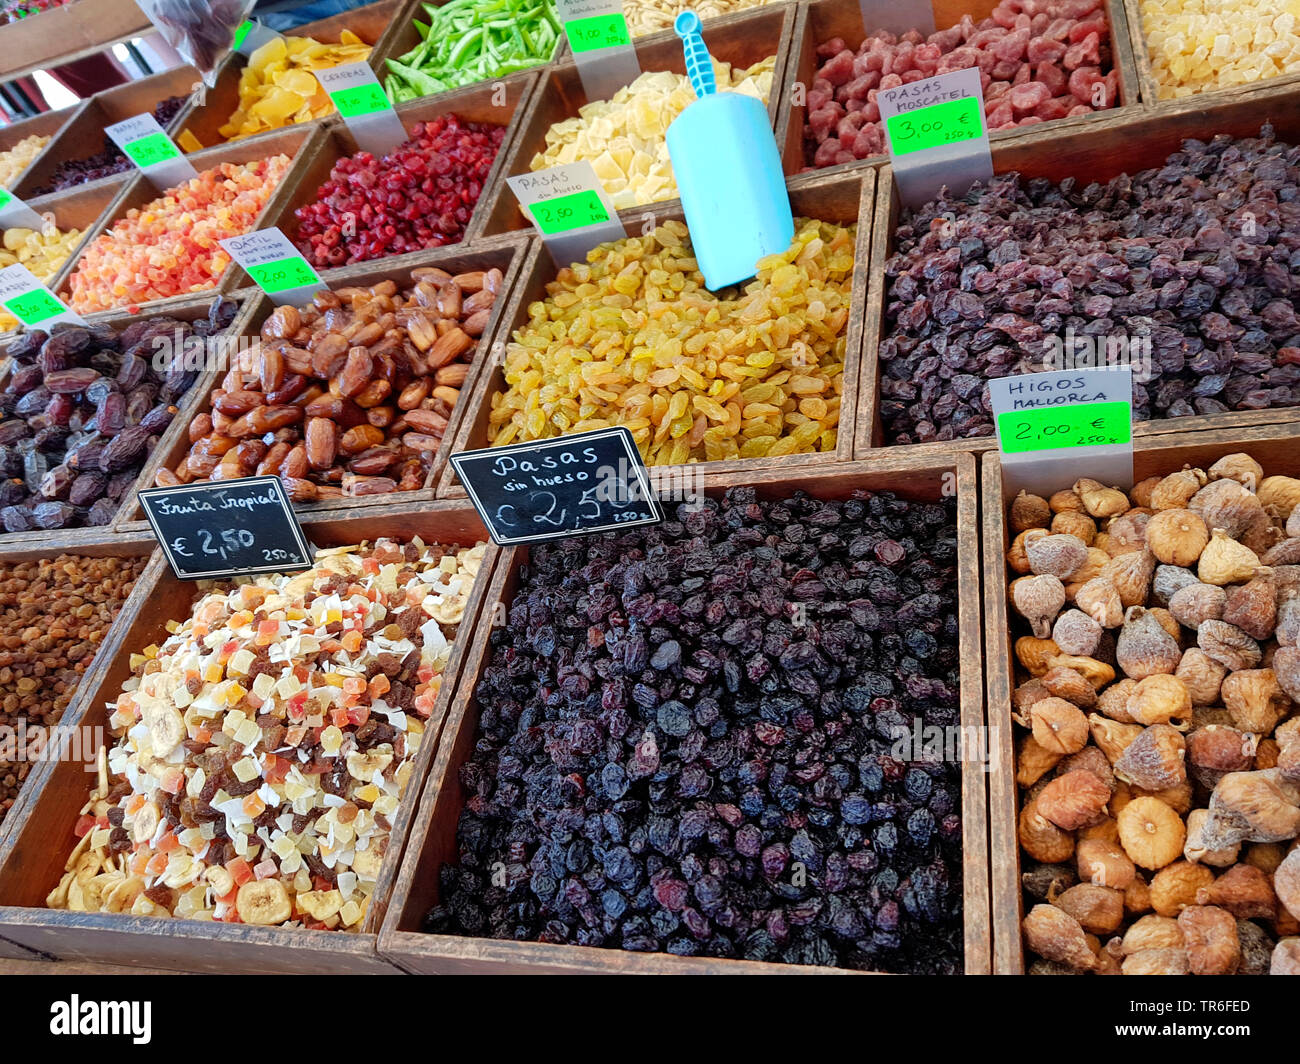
{"x":360,"y":100}
{"x":153,"y":149}
{"x":600,"y":31}
{"x":6,"y":198}
{"x":283,"y":274}
{"x":575,"y":211}
{"x":241,"y":35}
{"x":1056,"y":427}
{"x":34,"y":307}
{"x":944,"y":123}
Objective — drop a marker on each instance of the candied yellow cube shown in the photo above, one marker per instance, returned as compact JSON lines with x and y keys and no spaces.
{"x":246,"y":769}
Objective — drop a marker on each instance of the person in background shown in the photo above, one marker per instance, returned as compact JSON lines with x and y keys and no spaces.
{"x":286,"y":14}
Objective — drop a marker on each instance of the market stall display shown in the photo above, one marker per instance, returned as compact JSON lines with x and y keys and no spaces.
{"x":704,"y":744}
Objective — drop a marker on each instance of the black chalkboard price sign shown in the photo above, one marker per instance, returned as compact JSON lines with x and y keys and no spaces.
{"x":227,"y":528}
{"x":572,"y":485}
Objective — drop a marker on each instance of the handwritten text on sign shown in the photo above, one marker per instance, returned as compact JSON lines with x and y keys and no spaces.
{"x":148,"y":146}
{"x":30,"y":301}
{"x":227,"y":528}
{"x":936,"y":134}
{"x":574,"y":485}
{"x":569,"y":207}
{"x":274,"y":264}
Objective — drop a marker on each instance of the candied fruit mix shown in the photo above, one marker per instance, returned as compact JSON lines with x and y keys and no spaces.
{"x":421,"y":195}
{"x":623,"y":137}
{"x":54,"y":613}
{"x":1157,"y":642}
{"x":1185,"y":271}
{"x":262,"y":750}
{"x":43,"y":252}
{"x":73,"y":172}
{"x":632,"y":337}
{"x":668,"y":760}
{"x":1038,"y":60}
{"x":1198,"y":45}
{"x":278,"y":86}
{"x":81,"y":411}
{"x":169,"y":247}
{"x":655,"y":16}
{"x":14,"y":161}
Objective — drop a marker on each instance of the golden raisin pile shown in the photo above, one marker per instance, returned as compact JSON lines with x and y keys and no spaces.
{"x":1159,"y":756}
{"x":54,"y":614}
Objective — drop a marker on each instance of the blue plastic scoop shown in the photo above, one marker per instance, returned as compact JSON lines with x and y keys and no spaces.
{"x":728,"y":172}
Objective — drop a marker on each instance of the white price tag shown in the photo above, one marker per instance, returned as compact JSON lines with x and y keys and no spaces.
{"x":1080,"y":419}
{"x":569,"y":207}
{"x":147,"y":144}
{"x":15,"y":214}
{"x":275,"y":265}
{"x":31,"y":302}
{"x":601,"y":44}
{"x":251,"y":35}
{"x":936,"y":134}
{"x":364,"y":106}
{"x":897,"y":16}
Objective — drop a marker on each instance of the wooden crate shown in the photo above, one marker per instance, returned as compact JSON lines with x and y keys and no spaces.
{"x":45,"y":124}
{"x":1150,"y":85}
{"x":205,"y":118}
{"x":821,"y":20}
{"x":433,"y":839}
{"x":298,"y":142}
{"x":63,"y":34}
{"x":83,"y":134}
{"x":32,"y":856}
{"x":1275,"y":447}
{"x":84,"y":207}
{"x":86,"y":538}
{"x":1097,"y":152}
{"x":175,"y":445}
{"x":100,"y":547}
{"x":742,"y":40}
{"x":503,"y":106}
{"x":845,"y":199}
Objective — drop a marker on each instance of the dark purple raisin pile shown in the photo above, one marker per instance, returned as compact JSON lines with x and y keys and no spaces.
{"x":73,"y":172}
{"x":1201,"y":256}
{"x":686,"y":734}
{"x":83,"y":408}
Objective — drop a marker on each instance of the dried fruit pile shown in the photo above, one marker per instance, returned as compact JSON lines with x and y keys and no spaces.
{"x":54,"y":613}
{"x":421,"y":195}
{"x":169,"y":247}
{"x":1196,"y":45}
{"x":73,"y":172}
{"x":686,"y":738}
{"x":1196,"y":259}
{"x":278,"y":87}
{"x":1038,"y":60}
{"x":632,"y":337}
{"x":349,"y":395}
{"x":43,"y":252}
{"x":14,"y":161}
{"x":264,"y":748}
{"x":623,"y":137}
{"x":1160,"y":765}
{"x":655,"y":16}
{"x":81,"y":412}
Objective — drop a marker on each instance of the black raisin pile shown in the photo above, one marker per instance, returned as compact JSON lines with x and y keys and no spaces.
{"x":1200,"y":258}
{"x":83,"y":408}
{"x":687,"y":736}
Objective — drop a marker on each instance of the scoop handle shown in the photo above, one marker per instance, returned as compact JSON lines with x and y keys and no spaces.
{"x":699,"y":67}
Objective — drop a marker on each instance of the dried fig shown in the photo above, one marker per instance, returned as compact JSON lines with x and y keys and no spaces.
{"x":1042,"y":839}
{"x":1071,"y":685}
{"x":1076,"y":633}
{"x":1175,"y":886}
{"x":1280,"y":492}
{"x":1226,"y":505}
{"x":1211,"y":937}
{"x":1255,"y":700}
{"x":1157,"y":962}
{"x":1168,"y":581}
{"x":1176,"y":490}
{"x":1073,"y":523}
{"x":1101,"y":601}
{"x":1239,"y":467}
{"x":1259,"y":806}
{"x":1197,"y":602}
{"x":1099,"y":910}
{"x":1131,"y":575}
{"x":1033,"y":762}
{"x":1228,"y":645}
{"x":1286,"y":883}
{"x":1099,"y":500}
{"x":1144,"y":648}
{"x":1104,"y":863}
{"x":1056,"y":555}
{"x":1152,"y":932}
{"x":1074,"y":801}
{"x":1028,"y":511}
{"x":1056,"y":935}
{"x":1154,"y":760}
{"x":1158,"y":699}
{"x":1224,"y":560}
{"x":1197,"y":850}
{"x":1113,"y":701}
{"x":1038,"y":599}
{"x":1201,"y":675}
{"x":1253,"y":606}
{"x":1111,"y":736}
{"x":1151,"y":833}
{"x":1244,"y":890}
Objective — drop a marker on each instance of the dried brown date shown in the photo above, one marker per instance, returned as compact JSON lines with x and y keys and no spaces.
{"x":123,"y":449}
{"x":46,"y":515}
{"x":24,"y":379}
{"x":110,"y":417}
{"x":87,"y":488}
{"x":158,"y":419}
{"x":13,"y":431}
